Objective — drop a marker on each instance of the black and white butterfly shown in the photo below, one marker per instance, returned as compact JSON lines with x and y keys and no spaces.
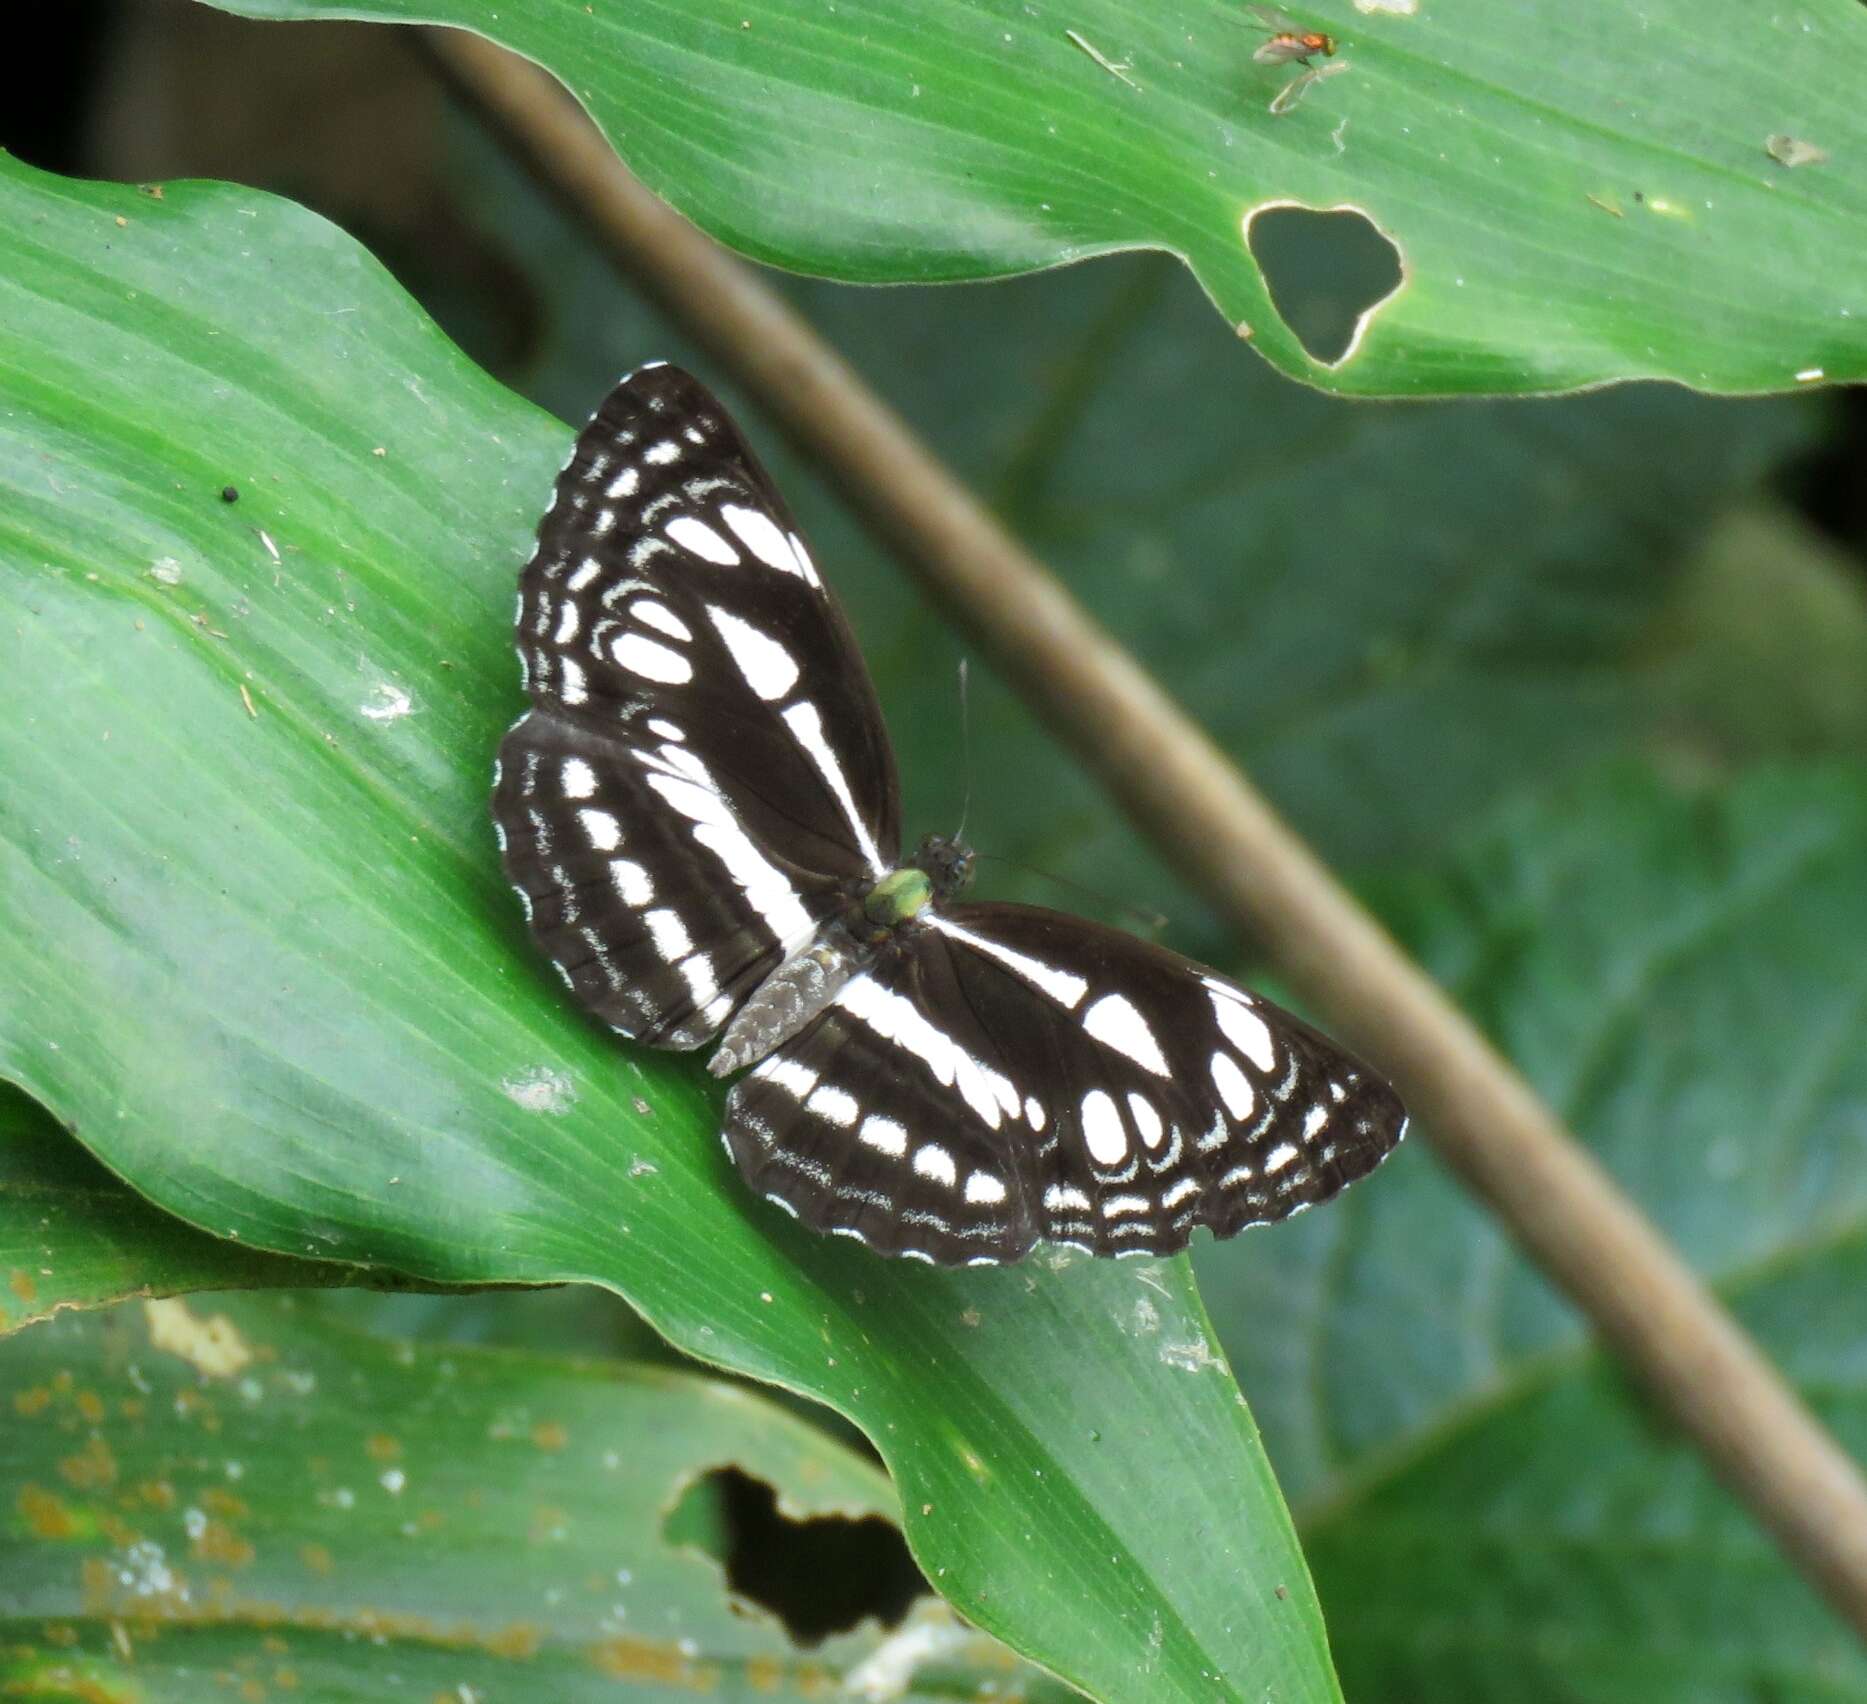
{"x":701,"y":815}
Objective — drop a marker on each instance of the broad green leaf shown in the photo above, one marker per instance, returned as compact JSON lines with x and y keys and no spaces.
{"x":268,"y":967}
{"x":1486,"y":1504}
{"x":236,"y":1488}
{"x":71,"y":1235}
{"x":1572,"y":199}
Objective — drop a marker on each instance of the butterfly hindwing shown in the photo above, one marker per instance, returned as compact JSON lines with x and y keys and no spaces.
{"x":704,"y":774}
{"x":1005,"y":1074}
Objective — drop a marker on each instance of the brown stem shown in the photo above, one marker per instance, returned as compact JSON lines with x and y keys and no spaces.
{"x":1188,"y":797}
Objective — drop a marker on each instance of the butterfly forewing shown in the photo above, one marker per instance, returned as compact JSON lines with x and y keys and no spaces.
{"x":704,"y":774}
{"x":1006,"y":1074}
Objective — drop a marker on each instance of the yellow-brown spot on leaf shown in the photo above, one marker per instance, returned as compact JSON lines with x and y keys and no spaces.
{"x":91,"y":1406}
{"x":764,"y":1674}
{"x":286,"y":1680}
{"x":19,"y":1281}
{"x":316,"y":1557}
{"x":225,"y":1504}
{"x":218,"y":1542}
{"x":644,"y":1659}
{"x":119,"y":1531}
{"x":520,"y":1640}
{"x":59,"y":1633}
{"x":213,"y":1347}
{"x":45,"y":1513}
{"x":92,"y":1468}
{"x":382,"y":1447}
{"x":252,"y":1692}
{"x":549,"y":1435}
{"x":29,"y":1403}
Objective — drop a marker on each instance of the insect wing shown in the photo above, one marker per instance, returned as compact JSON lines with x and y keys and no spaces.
{"x":704,"y":773}
{"x":1010,"y":1074}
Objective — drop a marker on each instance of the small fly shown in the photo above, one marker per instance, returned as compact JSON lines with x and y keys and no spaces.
{"x":1290,"y":43}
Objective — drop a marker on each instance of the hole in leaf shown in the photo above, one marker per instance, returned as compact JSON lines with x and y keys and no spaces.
{"x":821,"y":1575}
{"x":1325,"y":273}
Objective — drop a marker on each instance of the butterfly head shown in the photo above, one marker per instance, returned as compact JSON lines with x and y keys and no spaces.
{"x":946,"y":861}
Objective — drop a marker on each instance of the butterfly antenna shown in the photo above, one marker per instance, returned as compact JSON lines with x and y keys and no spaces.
{"x":1144,"y":921}
{"x":965,"y":745}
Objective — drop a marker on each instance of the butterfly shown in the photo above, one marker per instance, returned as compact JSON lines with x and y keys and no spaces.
{"x":701,"y":815}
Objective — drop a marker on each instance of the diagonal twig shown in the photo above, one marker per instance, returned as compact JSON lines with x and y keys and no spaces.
{"x":1188,"y":797}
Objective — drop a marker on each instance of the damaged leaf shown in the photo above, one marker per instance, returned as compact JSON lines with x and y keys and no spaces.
{"x":327,"y":1515}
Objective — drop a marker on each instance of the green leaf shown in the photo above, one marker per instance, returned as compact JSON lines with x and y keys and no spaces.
{"x":1571,"y":201}
{"x":71,"y":1235}
{"x":238,"y":1488}
{"x":279,"y":986}
{"x":1491,"y":1512}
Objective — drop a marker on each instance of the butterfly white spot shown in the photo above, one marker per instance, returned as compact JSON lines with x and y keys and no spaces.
{"x":604,"y":520}
{"x":760,"y":535}
{"x":1313,"y":1121}
{"x":770,"y":670}
{"x":578,"y":778}
{"x":1233,"y":1085}
{"x":702,"y":540}
{"x":694,"y":796}
{"x":796,"y":1080}
{"x":625,"y":483}
{"x":665,"y":730}
{"x":660,"y":455}
{"x":1243,"y":1028}
{"x":1061,"y":1196}
{"x":568,"y":621}
{"x":1115,"y":1021}
{"x":984,"y":1190}
{"x":571,"y":687}
{"x":1034,"y":1114}
{"x":1063,"y":987}
{"x":602,"y":828}
{"x":669,"y":934}
{"x":805,"y":566}
{"x":884,"y":1135}
{"x":934,"y":1162}
{"x":836,"y":1105}
{"x":1186,"y":1187}
{"x":895,"y":1018}
{"x":658,"y":616}
{"x":652,"y":661}
{"x":807,"y":728}
{"x":587,"y":570}
{"x":1280,"y":1156}
{"x":631,"y":882}
{"x":1117,"y":1206}
{"x":1236,"y":1176}
{"x":1102,"y":1129}
{"x":1146,"y":1119}
{"x":1338,"y":1093}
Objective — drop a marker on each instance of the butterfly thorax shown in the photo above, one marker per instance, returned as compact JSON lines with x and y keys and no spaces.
{"x":804,"y":984}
